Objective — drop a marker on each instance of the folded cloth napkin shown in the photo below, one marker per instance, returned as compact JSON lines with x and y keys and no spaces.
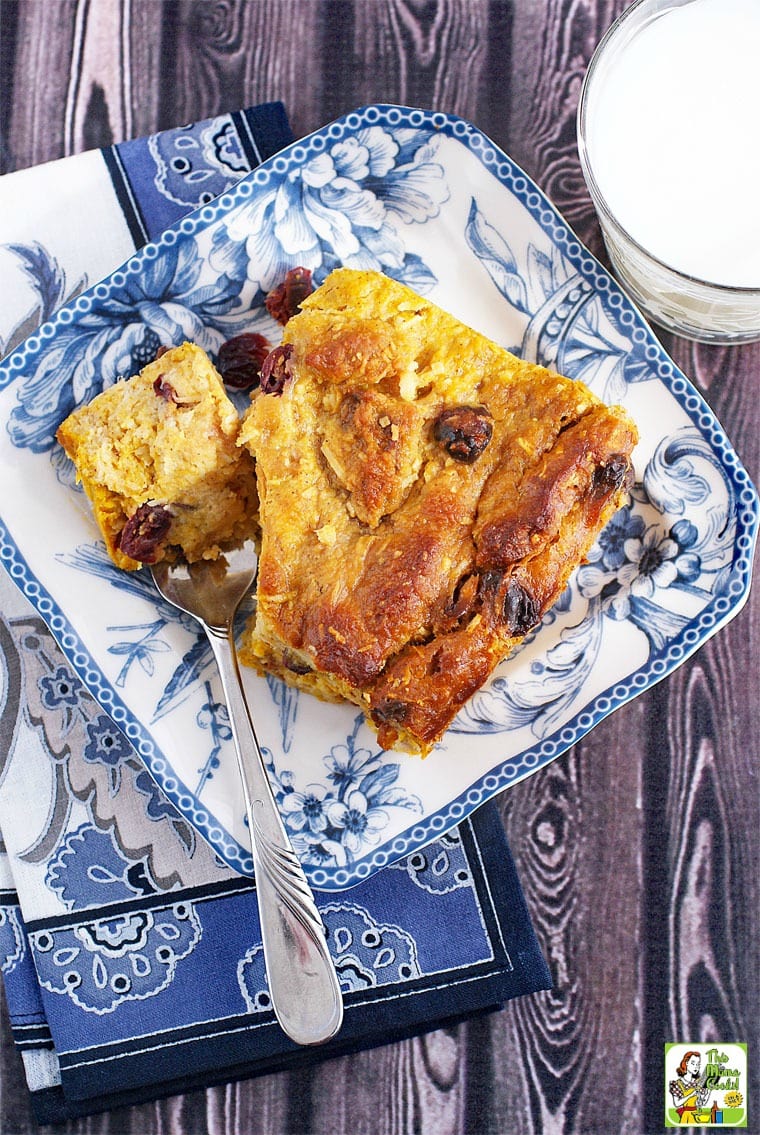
{"x":131,"y":954}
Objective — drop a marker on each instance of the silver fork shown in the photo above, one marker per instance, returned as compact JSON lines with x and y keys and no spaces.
{"x":303,"y":984}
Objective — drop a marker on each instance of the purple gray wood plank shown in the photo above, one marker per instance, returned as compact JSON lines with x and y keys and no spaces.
{"x":637,"y":849}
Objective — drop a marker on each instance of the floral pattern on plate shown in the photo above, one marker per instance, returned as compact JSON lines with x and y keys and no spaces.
{"x":429,"y":200}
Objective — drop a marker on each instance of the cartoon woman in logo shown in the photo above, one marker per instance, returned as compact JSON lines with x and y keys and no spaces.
{"x":688,"y":1091}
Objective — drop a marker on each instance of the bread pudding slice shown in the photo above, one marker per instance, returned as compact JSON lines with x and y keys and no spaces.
{"x":424,"y":496}
{"x":158,"y":458}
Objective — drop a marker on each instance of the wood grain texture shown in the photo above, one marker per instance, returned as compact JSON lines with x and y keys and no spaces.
{"x":638,"y":848}
{"x":564,"y":827}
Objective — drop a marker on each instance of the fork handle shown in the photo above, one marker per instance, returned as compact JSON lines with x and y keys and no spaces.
{"x":303,"y":983}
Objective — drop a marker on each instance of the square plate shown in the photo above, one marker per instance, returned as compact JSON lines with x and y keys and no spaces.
{"x":429,"y":200}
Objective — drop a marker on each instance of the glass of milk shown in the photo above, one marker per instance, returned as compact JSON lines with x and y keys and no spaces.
{"x":669,"y":141}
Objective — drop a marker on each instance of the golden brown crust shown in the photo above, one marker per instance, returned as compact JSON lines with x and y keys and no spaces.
{"x":517,"y":518}
{"x":424,"y":498}
{"x":365,"y":353}
{"x":372,"y":446}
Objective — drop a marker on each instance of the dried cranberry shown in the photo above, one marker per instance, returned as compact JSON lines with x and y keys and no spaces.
{"x":390,"y":711}
{"x":488,"y":584}
{"x":240,"y":358}
{"x":145,"y":531}
{"x":521,"y":610}
{"x":275,"y":370}
{"x":464,"y":432}
{"x":612,"y":476}
{"x":164,"y":389}
{"x":284,"y":300}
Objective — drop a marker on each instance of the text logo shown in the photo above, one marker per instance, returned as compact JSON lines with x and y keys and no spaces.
{"x":706,"y":1085}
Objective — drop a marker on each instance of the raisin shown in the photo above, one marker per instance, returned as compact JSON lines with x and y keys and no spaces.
{"x":164,"y":389}
{"x":275,"y":370}
{"x":612,"y":476}
{"x":240,"y":360}
{"x":488,"y":584}
{"x":390,"y":711}
{"x":284,"y":301}
{"x":145,"y":531}
{"x":521,"y":610}
{"x":464,"y":432}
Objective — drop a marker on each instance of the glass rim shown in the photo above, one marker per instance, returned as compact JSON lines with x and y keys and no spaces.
{"x":598,"y":198}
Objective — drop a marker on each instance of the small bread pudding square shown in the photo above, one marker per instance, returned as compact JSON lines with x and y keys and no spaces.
{"x":158,"y":458}
{"x":424,"y":496}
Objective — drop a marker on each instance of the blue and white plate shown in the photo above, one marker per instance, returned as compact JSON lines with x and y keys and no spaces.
{"x":427,"y":199}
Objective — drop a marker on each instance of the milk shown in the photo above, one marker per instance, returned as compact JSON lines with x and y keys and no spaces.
{"x":673,"y":138}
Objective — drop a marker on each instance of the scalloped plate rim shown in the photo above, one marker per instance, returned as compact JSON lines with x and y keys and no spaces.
{"x":491,"y":783}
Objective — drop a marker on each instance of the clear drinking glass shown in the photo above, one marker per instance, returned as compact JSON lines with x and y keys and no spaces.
{"x":677,"y":299}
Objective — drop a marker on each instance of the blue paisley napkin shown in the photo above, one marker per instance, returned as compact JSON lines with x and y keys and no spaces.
{"x":131,"y":955}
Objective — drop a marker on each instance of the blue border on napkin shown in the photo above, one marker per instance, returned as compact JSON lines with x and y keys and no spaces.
{"x":170,"y":1061}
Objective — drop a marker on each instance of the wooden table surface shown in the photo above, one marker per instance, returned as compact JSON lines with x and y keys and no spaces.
{"x":639,"y":848}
